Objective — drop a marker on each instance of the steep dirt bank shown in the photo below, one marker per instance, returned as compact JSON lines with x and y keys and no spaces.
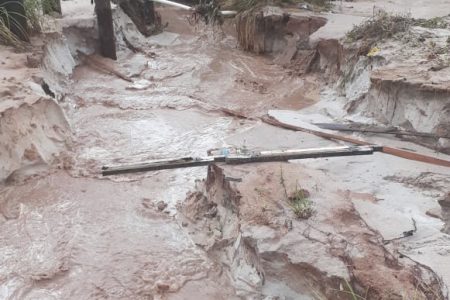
{"x":33,"y":127}
{"x":404,"y":85}
{"x":271,"y":30}
{"x":242,"y":217}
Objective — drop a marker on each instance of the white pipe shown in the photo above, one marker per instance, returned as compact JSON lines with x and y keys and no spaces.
{"x":182,"y":6}
{"x":228,"y":12}
{"x":173,"y":4}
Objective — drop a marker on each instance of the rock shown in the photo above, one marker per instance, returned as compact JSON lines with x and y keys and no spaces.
{"x":33,"y":61}
{"x":161,"y":205}
{"x":162,"y":287}
{"x":445,"y":207}
{"x":212,"y":212}
{"x":434,"y":213}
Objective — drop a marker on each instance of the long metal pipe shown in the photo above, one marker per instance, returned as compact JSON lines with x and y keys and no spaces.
{"x":186,"y":7}
{"x":179,"y":5}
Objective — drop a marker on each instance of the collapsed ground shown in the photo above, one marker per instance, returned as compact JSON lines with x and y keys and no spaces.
{"x":226,"y":232}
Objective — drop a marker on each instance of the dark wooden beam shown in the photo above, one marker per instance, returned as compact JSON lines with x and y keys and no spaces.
{"x":264,"y":156}
{"x":105,"y":29}
{"x":385,"y":149}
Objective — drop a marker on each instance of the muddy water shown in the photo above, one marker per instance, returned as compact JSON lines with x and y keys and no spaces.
{"x":75,"y":235}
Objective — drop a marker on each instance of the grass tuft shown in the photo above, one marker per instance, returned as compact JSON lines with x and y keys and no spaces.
{"x":300,"y":203}
{"x":7,"y":21}
{"x":34,"y":11}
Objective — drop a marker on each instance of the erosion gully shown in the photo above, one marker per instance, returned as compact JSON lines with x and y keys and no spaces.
{"x":74,"y":234}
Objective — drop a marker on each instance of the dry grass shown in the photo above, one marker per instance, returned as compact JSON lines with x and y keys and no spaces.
{"x":7,"y":20}
{"x":300,"y":204}
{"x":433,"y":23}
{"x":298,"y":200}
{"x":243,"y":5}
{"x":384,"y":25}
{"x":33,"y":14}
{"x":381,"y":26}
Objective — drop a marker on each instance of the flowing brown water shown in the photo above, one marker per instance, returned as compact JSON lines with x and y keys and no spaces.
{"x":75,"y":235}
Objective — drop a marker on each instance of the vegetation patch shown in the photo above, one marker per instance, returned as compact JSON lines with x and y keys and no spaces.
{"x":381,"y":26}
{"x":384,"y":25}
{"x":6,"y":21}
{"x":243,"y":5}
{"x":298,"y":200}
{"x":300,"y":203}
{"x":33,"y":17}
{"x":432,"y":23}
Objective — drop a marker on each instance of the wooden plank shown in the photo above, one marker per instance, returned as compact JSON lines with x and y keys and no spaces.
{"x":388,"y":150}
{"x":163,"y":164}
{"x":374,"y":129}
{"x":105,"y":29}
{"x":265,"y":156}
{"x":95,"y":63}
{"x":274,"y":122}
{"x":273,"y":156}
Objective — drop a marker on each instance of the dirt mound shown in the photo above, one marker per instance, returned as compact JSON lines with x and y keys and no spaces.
{"x":242,"y":217}
{"x":33,"y":128}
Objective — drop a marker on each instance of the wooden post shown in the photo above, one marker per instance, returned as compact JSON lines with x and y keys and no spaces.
{"x":149,"y":8}
{"x":105,"y":28}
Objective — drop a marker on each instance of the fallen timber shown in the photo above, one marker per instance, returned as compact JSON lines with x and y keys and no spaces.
{"x":376,"y":129}
{"x":384,"y":149}
{"x":235,"y":159}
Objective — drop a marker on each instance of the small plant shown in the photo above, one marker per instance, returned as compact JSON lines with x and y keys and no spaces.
{"x":299,"y":200}
{"x":300,"y":203}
